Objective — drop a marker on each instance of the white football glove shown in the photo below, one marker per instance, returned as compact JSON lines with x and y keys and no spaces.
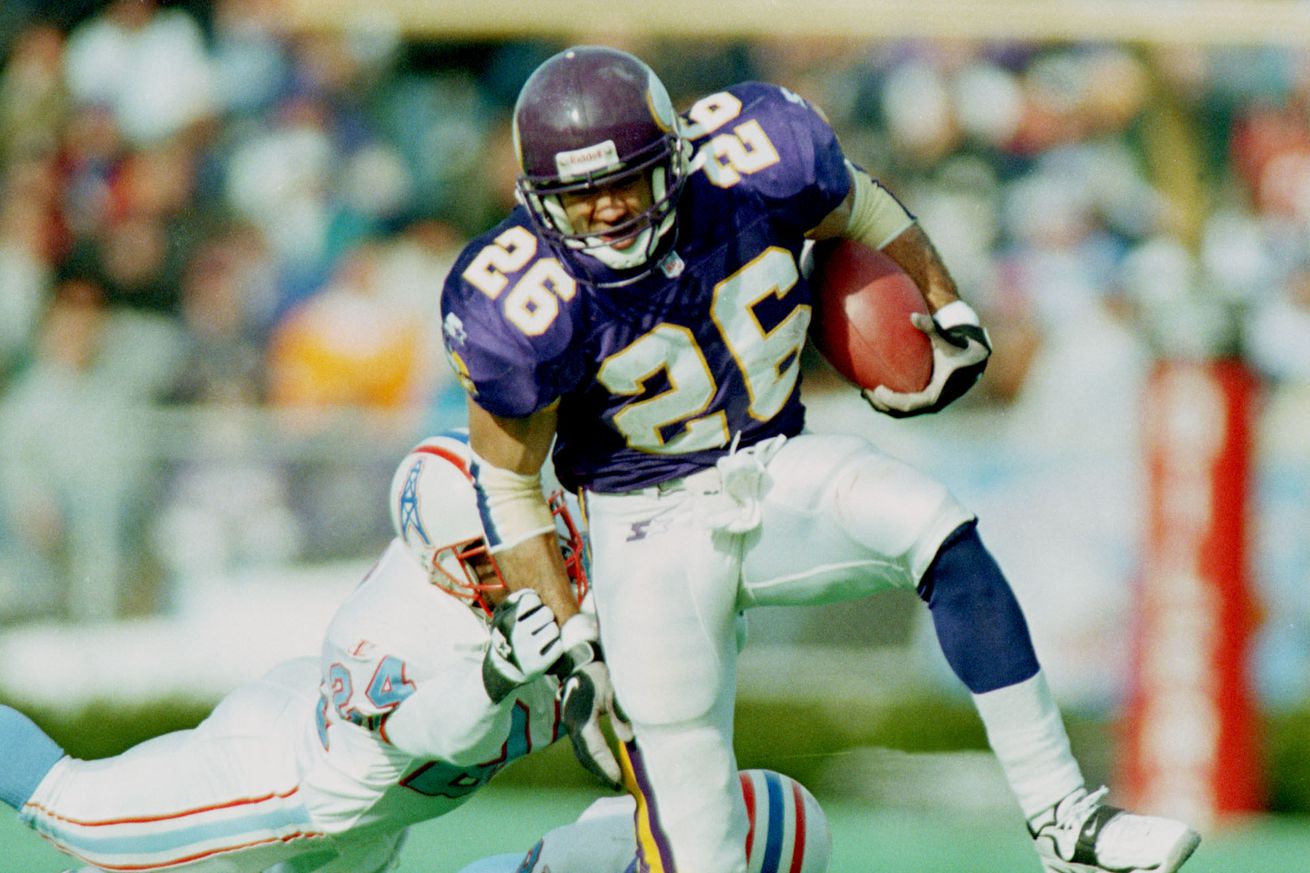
{"x":525,"y":643}
{"x":587,"y":697}
{"x":960,"y":349}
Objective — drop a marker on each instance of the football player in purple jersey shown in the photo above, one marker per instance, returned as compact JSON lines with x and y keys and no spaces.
{"x":640,"y":317}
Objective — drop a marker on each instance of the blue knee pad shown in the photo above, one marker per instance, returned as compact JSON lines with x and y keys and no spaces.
{"x":980,"y":627}
{"x":28,"y":756}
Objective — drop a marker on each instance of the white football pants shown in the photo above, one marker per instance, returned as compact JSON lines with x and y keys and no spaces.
{"x":813,"y":519}
{"x":223,"y":798}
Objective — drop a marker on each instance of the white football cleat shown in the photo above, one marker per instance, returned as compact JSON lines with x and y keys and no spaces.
{"x":1082,"y":835}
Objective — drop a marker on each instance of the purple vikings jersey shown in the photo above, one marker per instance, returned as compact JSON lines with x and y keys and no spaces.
{"x":657,"y":378}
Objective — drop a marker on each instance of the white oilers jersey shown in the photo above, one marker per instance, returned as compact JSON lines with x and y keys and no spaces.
{"x":318,"y":764}
{"x":403,"y":730}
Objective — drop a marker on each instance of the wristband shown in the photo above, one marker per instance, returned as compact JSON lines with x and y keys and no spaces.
{"x":511,"y":505}
{"x":877,"y":217}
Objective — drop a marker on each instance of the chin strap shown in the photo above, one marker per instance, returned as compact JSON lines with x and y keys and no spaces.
{"x":622,"y":259}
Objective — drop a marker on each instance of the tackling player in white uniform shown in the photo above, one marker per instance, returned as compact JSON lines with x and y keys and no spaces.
{"x":640,"y":317}
{"x":420,"y":696}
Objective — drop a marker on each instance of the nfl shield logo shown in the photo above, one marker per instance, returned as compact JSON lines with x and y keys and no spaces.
{"x":672,"y":266}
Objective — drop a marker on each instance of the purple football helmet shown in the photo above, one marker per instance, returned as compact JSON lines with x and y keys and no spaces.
{"x":588,"y":118}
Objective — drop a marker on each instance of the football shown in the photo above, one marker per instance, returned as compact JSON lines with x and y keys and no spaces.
{"x":861,"y":320}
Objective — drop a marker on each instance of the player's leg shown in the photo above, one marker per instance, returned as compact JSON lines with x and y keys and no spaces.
{"x":976,"y":615}
{"x":29,"y":754}
{"x":221,"y":797}
{"x":665,"y":590}
{"x":843,"y":520}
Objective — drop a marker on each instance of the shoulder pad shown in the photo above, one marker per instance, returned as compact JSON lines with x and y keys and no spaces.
{"x":507,"y":320}
{"x":768,"y":142}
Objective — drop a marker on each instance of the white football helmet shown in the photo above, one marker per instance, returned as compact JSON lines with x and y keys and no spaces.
{"x":789,"y":829}
{"x":434,"y":511}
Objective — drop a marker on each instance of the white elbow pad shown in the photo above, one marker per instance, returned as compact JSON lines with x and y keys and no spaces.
{"x":877,"y":217}
{"x":511,"y":505}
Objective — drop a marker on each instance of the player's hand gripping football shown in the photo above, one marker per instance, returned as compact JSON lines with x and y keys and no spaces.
{"x":960,"y":349}
{"x":588,"y":697}
{"x":525,"y":643}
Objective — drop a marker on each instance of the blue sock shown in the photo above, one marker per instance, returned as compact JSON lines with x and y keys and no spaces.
{"x":980,"y":627}
{"x":26,"y":755}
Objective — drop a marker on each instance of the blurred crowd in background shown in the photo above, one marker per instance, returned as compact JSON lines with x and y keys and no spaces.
{"x":199,"y":209}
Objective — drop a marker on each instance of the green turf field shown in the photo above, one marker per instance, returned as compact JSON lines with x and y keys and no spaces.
{"x":865,"y":840}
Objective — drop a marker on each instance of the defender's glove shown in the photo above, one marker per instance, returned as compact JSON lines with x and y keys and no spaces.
{"x":587,"y":697}
{"x":960,"y":349}
{"x":525,"y":643}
